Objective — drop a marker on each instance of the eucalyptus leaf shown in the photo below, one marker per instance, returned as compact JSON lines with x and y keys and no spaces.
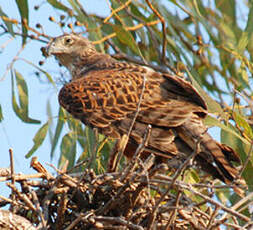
{"x":8,"y":23}
{"x":21,"y":108}
{"x":68,"y":151}
{"x":24,"y":13}
{"x":58,"y":5}
{"x":127,"y":39}
{"x":58,"y":131}
{"x":1,"y":114}
{"x":38,"y":139}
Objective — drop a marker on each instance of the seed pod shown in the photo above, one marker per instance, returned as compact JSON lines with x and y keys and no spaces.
{"x":70,"y":26}
{"x":51,"y":19}
{"x":77,"y":23}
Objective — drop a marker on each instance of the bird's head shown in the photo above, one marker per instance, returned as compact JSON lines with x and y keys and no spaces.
{"x":68,"y":47}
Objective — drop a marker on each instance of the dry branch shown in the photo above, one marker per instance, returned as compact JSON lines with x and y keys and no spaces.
{"x":121,"y":200}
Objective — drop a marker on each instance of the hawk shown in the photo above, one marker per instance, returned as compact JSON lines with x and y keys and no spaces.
{"x":105,"y":93}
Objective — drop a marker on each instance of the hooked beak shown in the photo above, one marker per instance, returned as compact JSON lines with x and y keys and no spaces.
{"x":51,"y":49}
{"x":47,"y":50}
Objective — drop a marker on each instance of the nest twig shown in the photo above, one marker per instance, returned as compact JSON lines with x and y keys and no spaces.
{"x":118,"y":200}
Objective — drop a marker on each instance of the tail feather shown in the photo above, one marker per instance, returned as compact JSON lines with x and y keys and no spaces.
{"x":214,"y":158}
{"x":229,"y":153}
{"x":220,"y":158}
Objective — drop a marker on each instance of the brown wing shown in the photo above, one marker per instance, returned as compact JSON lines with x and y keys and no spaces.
{"x":108,"y":99}
{"x":101,"y":97}
{"x":105,"y":96}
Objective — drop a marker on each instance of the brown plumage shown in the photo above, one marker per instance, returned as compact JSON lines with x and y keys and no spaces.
{"x":104,"y":93}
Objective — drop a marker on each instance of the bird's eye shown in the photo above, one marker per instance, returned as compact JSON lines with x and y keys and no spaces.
{"x":68,"y":41}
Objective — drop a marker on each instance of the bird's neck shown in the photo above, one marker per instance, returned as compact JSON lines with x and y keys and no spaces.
{"x":83,"y":64}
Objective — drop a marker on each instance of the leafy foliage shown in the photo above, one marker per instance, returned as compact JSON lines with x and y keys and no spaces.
{"x":210,"y":42}
{"x":21,"y":110}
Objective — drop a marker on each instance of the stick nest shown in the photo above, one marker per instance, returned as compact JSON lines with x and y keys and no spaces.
{"x":137,"y":197}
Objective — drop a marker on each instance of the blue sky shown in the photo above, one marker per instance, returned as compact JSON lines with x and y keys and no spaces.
{"x":14,"y":133}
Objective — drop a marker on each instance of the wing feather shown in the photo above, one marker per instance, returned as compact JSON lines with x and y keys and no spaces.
{"x":112,"y":95}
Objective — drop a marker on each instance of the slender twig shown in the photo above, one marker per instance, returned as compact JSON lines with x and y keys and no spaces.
{"x":161,"y":69}
{"x":162,"y":20}
{"x":12,"y":167}
{"x":118,"y":221}
{"x":22,"y":177}
{"x":13,"y":188}
{"x":23,"y":197}
{"x":132,"y":28}
{"x":174,"y":212}
{"x":137,"y":153}
{"x":132,"y":122}
{"x":211,"y":220}
{"x":159,"y":178}
{"x":38,"y":210}
{"x":189,"y":187}
{"x":237,"y":205}
{"x":176,"y":175}
{"x":81,"y":7}
{"x":106,"y":208}
{"x":114,"y":11}
{"x":82,"y":217}
{"x":156,"y":44}
{"x":60,"y":211}
{"x":248,"y":225}
{"x":10,"y":66}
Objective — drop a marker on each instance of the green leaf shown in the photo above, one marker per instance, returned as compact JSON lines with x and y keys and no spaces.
{"x":135,"y":10}
{"x":240,"y":121}
{"x":212,"y":105}
{"x":58,"y":5}
{"x":24,"y":14}
{"x":68,"y":150}
{"x":191,"y":177}
{"x":7,"y":23}
{"x":227,"y":8}
{"x":91,"y":140}
{"x":126,"y":21}
{"x":211,"y":121}
{"x":22,"y":92}
{"x":21,"y":110}
{"x":38,"y":139}
{"x":228,"y":35}
{"x":249,"y":28}
{"x":243,"y":150}
{"x":1,"y":114}
{"x":92,"y":146}
{"x":80,"y":15}
{"x":243,"y":42}
{"x":80,"y":135}
{"x":58,"y":130}
{"x":126,"y":38}
{"x":223,"y":195}
{"x":242,"y":77}
{"x":15,"y":106}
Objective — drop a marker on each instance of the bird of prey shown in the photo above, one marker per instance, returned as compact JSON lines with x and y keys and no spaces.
{"x":105,"y":93}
